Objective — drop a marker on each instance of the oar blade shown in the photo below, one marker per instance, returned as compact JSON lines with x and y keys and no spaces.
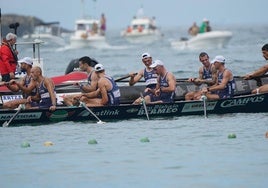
{"x":5,"y":124}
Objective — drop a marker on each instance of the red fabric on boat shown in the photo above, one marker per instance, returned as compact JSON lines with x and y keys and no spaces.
{"x":73,"y":76}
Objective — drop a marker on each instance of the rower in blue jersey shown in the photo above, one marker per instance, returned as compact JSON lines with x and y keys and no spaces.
{"x":207,"y":77}
{"x":27,"y":85}
{"x":225,"y":84}
{"x":107,"y":93}
{"x":46,"y":94}
{"x":164,"y":91}
{"x":85,"y":64}
{"x":149,"y":75}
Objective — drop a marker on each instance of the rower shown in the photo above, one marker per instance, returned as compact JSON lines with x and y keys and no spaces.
{"x":27,"y":85}
{"x":207,"y":77}
{"x":260,"y":72}
{"x":107,"y":93}
{"x":164,"y":91}
{"x":225,"y":83}
{"x":85,"y":64}
{"x":148,"y":73}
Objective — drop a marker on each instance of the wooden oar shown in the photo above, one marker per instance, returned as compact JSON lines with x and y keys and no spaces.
{"x":6,"y":123}
{"x":124,"y":77}
{"x":90,"y":111}
{"x":144,"y":106}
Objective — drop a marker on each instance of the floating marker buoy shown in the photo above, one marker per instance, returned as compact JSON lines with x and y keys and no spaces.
{"x":48,"y":143}
{"x":232,"y":135}
{"x":93,"y":141}
{"x":145,"y":139}
{"x":25,"y":144}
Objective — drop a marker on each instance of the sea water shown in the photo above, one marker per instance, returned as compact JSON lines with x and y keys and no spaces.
{"x":191,"y":151}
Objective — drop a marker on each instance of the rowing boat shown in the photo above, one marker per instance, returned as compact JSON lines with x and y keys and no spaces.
{"x":130,"y":93}
{"x":253,"y":103}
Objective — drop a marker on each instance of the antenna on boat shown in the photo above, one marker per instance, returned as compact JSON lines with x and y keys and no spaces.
{"x":83,"y":8}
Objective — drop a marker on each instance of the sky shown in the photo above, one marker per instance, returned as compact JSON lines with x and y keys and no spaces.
{"x":168,"y":13}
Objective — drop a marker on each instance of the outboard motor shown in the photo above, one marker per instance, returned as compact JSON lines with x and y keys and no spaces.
{"x":73,"y":66}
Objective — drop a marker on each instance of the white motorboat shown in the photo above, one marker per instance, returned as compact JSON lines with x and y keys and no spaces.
{"x":141,"y":30}
{"x":87,"y":34}
{"x":212,"y":39}
{"x":50,"y":33}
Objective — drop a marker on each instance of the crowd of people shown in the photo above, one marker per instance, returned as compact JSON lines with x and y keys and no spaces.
{"x":215,"y":81}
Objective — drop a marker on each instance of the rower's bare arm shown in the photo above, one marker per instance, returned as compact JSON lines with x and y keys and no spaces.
{"x":227,"y":75}
{"x":50,"y":87}
{"x":134,"y":78}
{"x":171,"y":83}
{"x":261,"y":71}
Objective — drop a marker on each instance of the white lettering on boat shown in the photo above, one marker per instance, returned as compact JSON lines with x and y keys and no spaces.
{"x":241,"y":102}
{"x":85,"y":113}
{"x":198,"y":106}
{"x":159,"y":109}
{"x":32,"y":115}
{"x":107,"y":113}
{"x":6,"y":98}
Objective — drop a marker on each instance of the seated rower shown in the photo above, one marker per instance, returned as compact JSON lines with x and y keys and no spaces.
{"x":107,"y":93}
{"x":46,"y":94}
{"x":260,"y":72}
{"x":85,"y":64}
{"x":165,"y":87}
{"x":27,"y":85}
{"x":225,"y":83}
{"x":148,"y":73}
{"x":207,"y":77}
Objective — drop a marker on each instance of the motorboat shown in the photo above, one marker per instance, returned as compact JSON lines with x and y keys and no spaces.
{"x":87,"y":34}
{"x":141,"y":30}
{"x":49,"y":32}
{"x":212,"y":39}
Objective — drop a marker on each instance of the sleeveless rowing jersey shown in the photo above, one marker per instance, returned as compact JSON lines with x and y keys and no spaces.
{"x":166,"y":97}
{"x":207,"y":73}
{"x":150,"y":78}
{"x":114,"y":93}
{"x":228,"y":91}
{"x":27,"y":81}
{"x":45,"y":101}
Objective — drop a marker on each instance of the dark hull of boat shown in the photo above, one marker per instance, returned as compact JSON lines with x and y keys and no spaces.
{"x":241,"y":104}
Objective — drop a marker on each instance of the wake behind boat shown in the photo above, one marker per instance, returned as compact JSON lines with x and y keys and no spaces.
{"x":48,"y":32}
{"x":212,"y":39}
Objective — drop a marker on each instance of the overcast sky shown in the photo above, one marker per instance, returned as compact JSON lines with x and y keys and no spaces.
{"x":168,"y":13}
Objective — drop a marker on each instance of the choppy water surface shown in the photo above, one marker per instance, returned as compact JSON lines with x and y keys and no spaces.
{"x":181,"y":152}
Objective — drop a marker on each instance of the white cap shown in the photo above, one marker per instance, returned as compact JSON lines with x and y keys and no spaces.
{"x":99,"y":67}
{"x":145,"y":55}
{"x":156,"y":63}
{"x":219,"y":58}
{"x":205,"y":20}
{"x":26,"y":60}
